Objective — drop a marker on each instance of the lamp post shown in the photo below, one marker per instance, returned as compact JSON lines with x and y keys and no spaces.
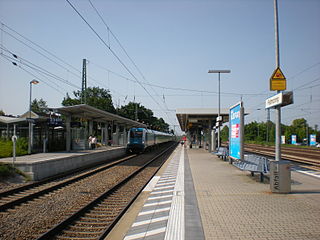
{"x":30,"y":142}
{"x":219,"y":71}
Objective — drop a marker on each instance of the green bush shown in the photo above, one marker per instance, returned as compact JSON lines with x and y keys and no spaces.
{"x":6,"y":147}
{"x":6,"y":170}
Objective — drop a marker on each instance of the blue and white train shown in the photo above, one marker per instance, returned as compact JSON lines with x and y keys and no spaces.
{"x":140,"y":139}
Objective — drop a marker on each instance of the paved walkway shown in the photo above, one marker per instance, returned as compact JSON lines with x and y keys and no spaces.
{"x":199,"y":196}
{"x":235,"y":206}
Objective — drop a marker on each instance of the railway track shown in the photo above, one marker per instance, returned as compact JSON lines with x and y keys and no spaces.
{"x":96,"y":219}
{"x":84,"y":209}
{"x":301,"y":155}
{"x":23,"y":194}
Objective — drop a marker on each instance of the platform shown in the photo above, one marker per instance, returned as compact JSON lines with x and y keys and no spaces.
{"x":42,"y":165}
{"x":196,"y":195}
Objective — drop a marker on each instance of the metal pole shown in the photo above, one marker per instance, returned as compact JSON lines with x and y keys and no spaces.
{"x":14,"y":138}
{"x":219,"y":113}
{"x":278,"y":108}
{"x":29,"y":140}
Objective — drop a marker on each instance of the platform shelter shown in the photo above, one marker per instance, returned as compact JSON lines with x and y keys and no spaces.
{"x":200,"y":125}
{"x":84,"y":120}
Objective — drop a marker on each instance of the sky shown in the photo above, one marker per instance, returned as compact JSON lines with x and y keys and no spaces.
{"x":166,"y":49}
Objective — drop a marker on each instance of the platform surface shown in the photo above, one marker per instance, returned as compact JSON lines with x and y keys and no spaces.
{"x":40,"y":157}
{"x":199,"y":196}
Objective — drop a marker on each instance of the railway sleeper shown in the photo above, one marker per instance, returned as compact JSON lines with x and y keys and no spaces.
{"x":74,"y":238}
{"x":83,"y":223}
{"x":102,"y":212}
{"x":99,"y":215}
{"x":77,"y":228}
{"x":97,"y":220}
{"x":76,"y":233}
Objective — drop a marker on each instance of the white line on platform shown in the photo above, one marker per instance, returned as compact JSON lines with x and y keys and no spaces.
{"x":154,"y":211}
{"x":160,"y":197}
{"x":164,"y":187}
{"x":166,"y":184}
{"x":175,"y":227}
{"x":151,"y":184}
{"x":136,"y":224}
{"x":145,"y":234}
{"x":310,"y":173}
{"x":160,"y":192}
{"x":157,"y":203}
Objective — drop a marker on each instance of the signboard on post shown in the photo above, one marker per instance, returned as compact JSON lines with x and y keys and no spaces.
{"x":236,"y":130}
{"x":278,"y":81}
{"x":282,"y":99}
{"x":293,"y":139}
{"x":312,"y":140}
{"x":283,"y":139}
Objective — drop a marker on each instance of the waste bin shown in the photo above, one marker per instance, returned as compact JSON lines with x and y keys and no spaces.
{"x":280,"y":176}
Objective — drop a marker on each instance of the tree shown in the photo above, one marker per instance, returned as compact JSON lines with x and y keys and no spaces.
{"x":225,"y":133}
{"x":2,"y":113}
{"x":135,"y":110}
{"x":39,"y":106}
{"x":300,"y":128}
{"x":96,"y":97}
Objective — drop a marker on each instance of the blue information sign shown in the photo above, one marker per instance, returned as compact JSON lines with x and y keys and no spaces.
{"x":235,"y":132}
{"x":312,"y":140}
{"x":293,"y":139}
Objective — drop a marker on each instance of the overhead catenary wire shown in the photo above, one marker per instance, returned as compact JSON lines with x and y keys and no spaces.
{"x":113,"y":53}
{"x":52,"y":55}
{"x":126,"y":53}
{"x":33,"y":75}
{"x":36,"y":67}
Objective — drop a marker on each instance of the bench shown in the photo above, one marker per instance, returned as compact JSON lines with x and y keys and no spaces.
{"x":222,"y":153}
{"x":253,"y":163}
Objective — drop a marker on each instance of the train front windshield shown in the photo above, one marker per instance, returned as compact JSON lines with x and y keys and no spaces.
{"x":135,"y":134}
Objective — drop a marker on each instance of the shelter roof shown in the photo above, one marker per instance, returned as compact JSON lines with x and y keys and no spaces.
{"x":196,"y":116}
{"x":92,"y":113}
{"x":9,"y":120}
{"x":29,"y":114}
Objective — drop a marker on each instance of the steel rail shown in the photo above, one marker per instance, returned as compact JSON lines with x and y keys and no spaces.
{"x":287,"y":156}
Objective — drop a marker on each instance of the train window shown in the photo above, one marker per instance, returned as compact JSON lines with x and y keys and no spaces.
{"x":135,"y":134}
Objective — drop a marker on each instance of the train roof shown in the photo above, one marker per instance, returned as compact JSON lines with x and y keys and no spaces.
{"x":152,"y":131}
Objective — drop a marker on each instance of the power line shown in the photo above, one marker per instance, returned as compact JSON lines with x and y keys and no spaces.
{"x":36,"y":67}
{"x":113,"y":53}
{"x":48,"y":52}
{"x":126,"y":53}
{"x":37,"y":77}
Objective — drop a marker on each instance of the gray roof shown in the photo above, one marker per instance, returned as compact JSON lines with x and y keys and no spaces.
{"x":10,"y":120}
{"x":92,"y":113}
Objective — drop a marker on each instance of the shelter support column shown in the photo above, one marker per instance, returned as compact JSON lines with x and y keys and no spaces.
{"x":68,"y":133}
{"x":90,"y":127}
{"x":210,"y":136}
{"x":124,"y":135}
{"x":117,"y":135}
{"x":214,"y":140}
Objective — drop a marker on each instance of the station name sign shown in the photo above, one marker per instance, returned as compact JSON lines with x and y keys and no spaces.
{"x":282,"y":99}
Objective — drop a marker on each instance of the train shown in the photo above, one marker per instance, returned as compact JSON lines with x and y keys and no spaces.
{"x":140,"y":139}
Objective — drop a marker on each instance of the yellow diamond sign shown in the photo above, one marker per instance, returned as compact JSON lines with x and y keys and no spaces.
{"x":278,"y":81}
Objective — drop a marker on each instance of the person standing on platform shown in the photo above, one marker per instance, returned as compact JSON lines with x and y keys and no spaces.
{"x":90,"y":141}
{"x":93,"y":142}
